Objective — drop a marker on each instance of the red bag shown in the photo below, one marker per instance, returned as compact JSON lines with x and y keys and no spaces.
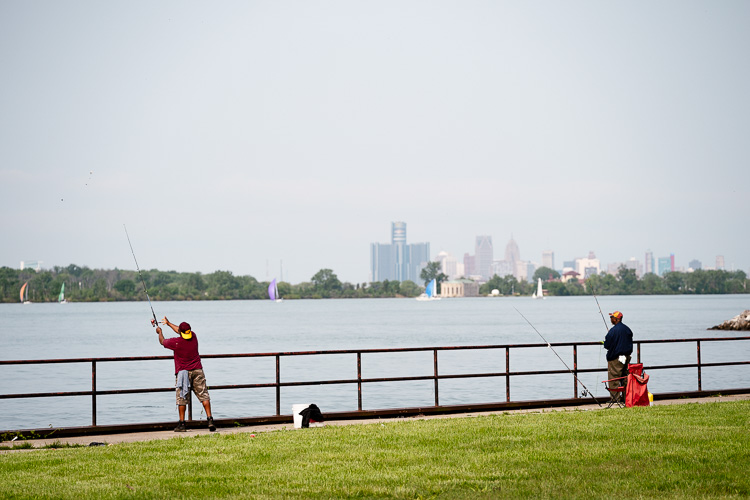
{"x":636,"y":393}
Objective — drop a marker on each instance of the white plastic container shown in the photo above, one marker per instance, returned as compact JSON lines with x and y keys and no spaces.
{"x":297,"y":417}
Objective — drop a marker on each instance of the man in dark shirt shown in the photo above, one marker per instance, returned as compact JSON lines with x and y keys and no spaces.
{"x":619,"y":346}
{"x":188,"y":361}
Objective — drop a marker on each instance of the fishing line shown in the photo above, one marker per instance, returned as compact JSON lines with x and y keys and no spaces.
{"x":154,"y":322}
{"x":586,"y":391}
{"x":601,"y":347}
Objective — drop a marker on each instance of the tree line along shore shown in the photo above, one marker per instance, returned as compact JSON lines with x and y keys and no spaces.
{"x":83,"y":284}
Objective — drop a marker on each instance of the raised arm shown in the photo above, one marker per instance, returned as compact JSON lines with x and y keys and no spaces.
{"x":174,"y":327}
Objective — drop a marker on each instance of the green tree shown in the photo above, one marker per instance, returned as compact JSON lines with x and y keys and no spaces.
{"x":126,"y":287}
{"x":99,"y":290}
{"x":409,"y":289}
{"x":432,"y":272}
{"x":674,"y":282}
{"x":507,"y":285}
{"x":326,"y":280}
{"x":628,"y":281}
{"x":546,"y":274}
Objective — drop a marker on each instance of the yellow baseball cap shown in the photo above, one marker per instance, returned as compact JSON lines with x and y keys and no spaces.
{"x":185,"y":331}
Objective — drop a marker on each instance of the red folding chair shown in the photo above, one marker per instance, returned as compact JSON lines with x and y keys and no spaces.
{"x":616,"y":394}
{"x":634,"y":393}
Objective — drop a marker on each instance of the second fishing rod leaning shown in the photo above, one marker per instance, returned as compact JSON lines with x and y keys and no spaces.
{"x":586,"y":391}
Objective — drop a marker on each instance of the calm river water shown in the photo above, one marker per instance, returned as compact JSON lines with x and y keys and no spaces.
{"x":81,"y":330}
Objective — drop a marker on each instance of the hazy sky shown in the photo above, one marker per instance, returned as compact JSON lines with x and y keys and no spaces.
{"x":236,"y":135}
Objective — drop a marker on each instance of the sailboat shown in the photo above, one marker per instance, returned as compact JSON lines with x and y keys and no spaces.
{"x":273,"y":292}
{"x":539,"y":294}
{"x":25,"y":288}
{"x":61,"y":298}
{"x":430,"y":292}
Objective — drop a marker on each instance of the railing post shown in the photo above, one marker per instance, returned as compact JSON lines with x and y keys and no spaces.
{"x":638,"y":346}
{"x":93,"y":393}
{"x":507,"y":374}
{"x":190,"y":405}
{"x":359,"y":381}
{"x":700,"y":384}
{"x":435,"y":362}
{"x":278,"y":385}
{"x":575,"y":371}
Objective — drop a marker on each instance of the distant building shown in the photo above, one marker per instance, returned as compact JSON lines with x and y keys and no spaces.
{"x":484,"y":255}
{"x":548,"y":259}
{"x":695,"y":264}
{"x":502,"y":268}
{"x":613,"y":268}
{"x":649,"y":262}
{"x":512,"y":253}
{"x":459,"y":288}
{"x":36,"y":265}
{"x":569,"y":275}
{"x":449,"y":265}
{"x":398,"y":261}
{"x":665,"y":265}
{"x":588,"y":266}
{"x":634,"y":264}
{"x":522,"y":270}
{"x":469,"y":265}
{"x":719,"y":262}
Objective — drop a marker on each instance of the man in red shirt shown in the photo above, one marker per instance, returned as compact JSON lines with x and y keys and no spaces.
{"x":188,"y":369}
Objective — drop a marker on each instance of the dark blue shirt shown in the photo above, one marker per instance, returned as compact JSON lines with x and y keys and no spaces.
{"x":619,"y":341}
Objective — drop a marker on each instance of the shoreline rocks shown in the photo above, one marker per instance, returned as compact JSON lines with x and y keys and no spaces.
{"x":741,"y":322}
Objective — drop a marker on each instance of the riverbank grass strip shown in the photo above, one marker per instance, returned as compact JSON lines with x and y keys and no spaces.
{"x":678,"y":451}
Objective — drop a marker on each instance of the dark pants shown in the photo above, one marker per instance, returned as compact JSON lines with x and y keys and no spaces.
{"x":615,"y":369}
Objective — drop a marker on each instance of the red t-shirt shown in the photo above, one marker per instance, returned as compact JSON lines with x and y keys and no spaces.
{"x":186,"y":355}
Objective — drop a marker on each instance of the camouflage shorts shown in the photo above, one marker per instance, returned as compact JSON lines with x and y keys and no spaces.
{"x":198,"y":384}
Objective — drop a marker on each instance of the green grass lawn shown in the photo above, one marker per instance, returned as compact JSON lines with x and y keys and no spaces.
{"x":677,"y":451}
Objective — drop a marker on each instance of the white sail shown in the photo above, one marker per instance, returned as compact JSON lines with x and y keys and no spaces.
{"x":539,"y":293}
{"x":430,"y":292}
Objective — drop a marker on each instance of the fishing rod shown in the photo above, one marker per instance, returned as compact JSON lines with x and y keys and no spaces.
{"x":586,"y":391}
{"x":606,"y":327}
{"x":154,"y":321}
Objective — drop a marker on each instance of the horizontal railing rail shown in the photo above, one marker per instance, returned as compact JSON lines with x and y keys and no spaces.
{"x":359,"y":381}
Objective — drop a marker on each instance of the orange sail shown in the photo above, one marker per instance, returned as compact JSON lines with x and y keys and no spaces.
{"x":23,"y":288}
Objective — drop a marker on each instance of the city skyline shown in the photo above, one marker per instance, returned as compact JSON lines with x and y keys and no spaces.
{"x":238,"y":135}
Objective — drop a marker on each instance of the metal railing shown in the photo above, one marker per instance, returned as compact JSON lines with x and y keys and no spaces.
{"x":436,"y":376}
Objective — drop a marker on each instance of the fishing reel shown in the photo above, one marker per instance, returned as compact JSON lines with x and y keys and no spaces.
{"x":153,"y":323}
{"x":585,"y":393}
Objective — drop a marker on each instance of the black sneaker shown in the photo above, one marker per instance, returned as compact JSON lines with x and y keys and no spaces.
{"x":180,"y":427}
{"x":211,"y":426}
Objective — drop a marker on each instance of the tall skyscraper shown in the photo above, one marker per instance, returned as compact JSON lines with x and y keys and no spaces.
{"x":398,"y":261}
{"x":512,"y":253}
{"x":720,"y":262}
{"x":484,"y":255}
{"x":548,"y":259}
{"x":649,"y":262}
